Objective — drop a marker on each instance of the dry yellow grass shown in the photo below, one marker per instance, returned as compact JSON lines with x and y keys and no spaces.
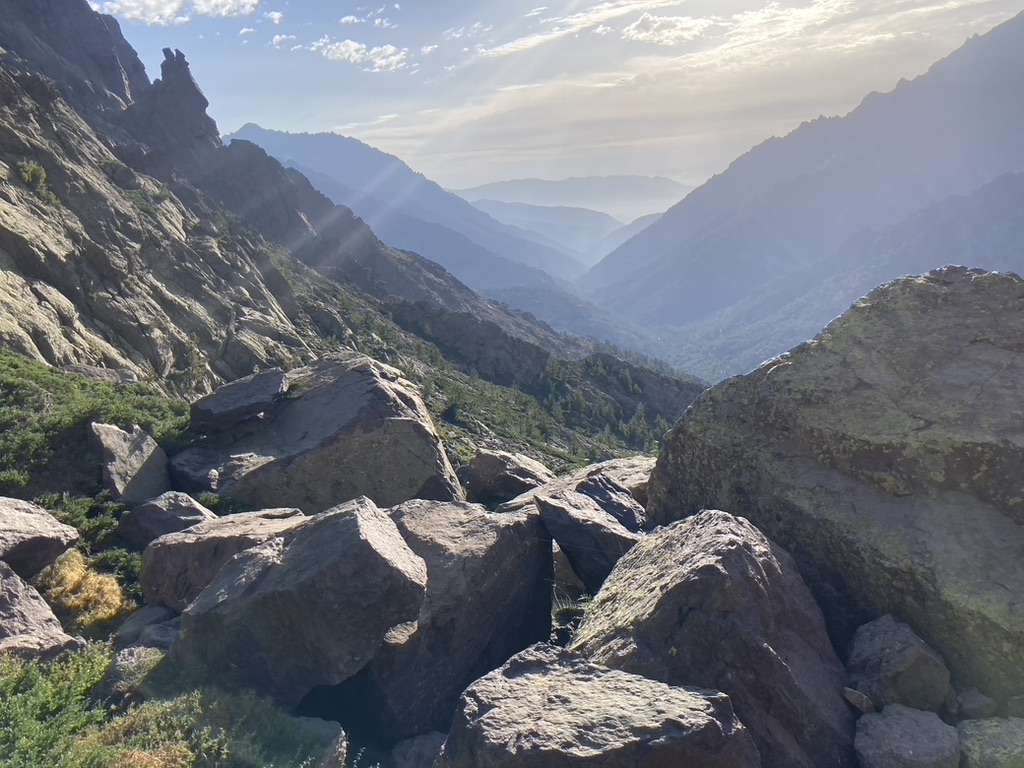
{"x":165,"y":757}
{"x":80,"y":594}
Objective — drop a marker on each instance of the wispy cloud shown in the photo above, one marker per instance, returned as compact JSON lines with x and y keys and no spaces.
{"x":245,"y":31}
{"x":426,"y":50}
{"x":477,"y":29}
{"x":165,"y":12}
{"x":350,"y":20}
{"x":565,"y":26}
{"x":666,"y":30}
{"x":280,"y":41}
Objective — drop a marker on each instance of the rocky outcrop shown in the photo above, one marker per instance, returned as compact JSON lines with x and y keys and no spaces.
{"x":488,"y":597}
{"x":497,"y":476}
{"x":992,"y":743}
{"x":30,"y":537}
{"x":418,"y":752}
{"x":905,"y":737}
{"x":131,"y":630}
{"x":711,"y":602}
{"x":306,"y":609}
{"x":238,"y":401}
{"x":892,"y":665}
{"x":346,"y":427}
{"x":178,"y":566}
{"x":548,"y":708}
{"x":28,"y":627}
{"x":592,"y":540}
{"x":615,"y":485}
{"x":134,"y":466}
{"x":885,"y":456}
{"x":170,"y":116}
{"x":168,"y":513}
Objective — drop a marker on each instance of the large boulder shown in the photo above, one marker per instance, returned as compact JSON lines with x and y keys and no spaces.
{"x":178,"y":566}
{"x":992,"y":743}
{"x":497,"y":476}
{"x":307,"y":609}
{"x":711,"y":602}
{"x":343,"y":428}
{"x":549,"y":708}
{"x":168,"y":513}
{"x":908,"y":738}
{"x":135,"y":468}
{"x":30,"y":537}
{"x":592,"y":540}
{"x":885,"y":456}
{"x":239,"y":401}
{"x":619,"y":486}
{"x":488,"y":597}
{"x":28,"y":627}
{"x":892,"y":665}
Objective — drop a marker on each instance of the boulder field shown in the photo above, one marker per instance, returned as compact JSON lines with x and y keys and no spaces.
{"x":822,"y":570}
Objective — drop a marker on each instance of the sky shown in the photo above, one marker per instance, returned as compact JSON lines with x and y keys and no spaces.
{"x":474,"y":92}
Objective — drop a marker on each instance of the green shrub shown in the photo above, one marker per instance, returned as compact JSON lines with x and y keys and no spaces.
{"x":44,"y":417}
{"x":33,"y":175}
{"x":42,"y":706}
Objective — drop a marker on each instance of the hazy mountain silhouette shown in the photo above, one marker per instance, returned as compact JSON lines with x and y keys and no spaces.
{"x":625,"y":198}
{"x":579,"y":229}
{"x":790,"y":202}
{"x":378,"y":186}
{"x":984,"y":229}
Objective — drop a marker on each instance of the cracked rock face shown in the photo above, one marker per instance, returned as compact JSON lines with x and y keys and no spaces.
{"x":885,"y":456}
{"x":550,"y":708}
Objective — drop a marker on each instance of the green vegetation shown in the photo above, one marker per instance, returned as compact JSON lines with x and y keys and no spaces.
{"x":43,"y":705}
{"x":44,"y":418}
{"x":50,"y":715}
{"x":147,"y":203}
{"x":33,"y":176}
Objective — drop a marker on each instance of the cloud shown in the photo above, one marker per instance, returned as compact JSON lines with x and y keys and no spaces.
{"x":566,"y":26}
{"x":666,"y":30}
{"x":280,"y":41}
{"x":477,"y":29}
{"x":164,"y":12}
{"x":381,"y":58}
{"x":351,"y":20}
{"x":276,"y":17}
{"x":536,"y":12}
{"x":383,"y":23}
{"x":426,"y":50}
{"x":245,"y":31}
{"x":604,"y":29}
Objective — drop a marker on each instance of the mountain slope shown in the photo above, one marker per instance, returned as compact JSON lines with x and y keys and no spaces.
{"x":473,"y":264}
{"x":135,"y":246}
{"x":983,"y":229}
{"x":375,"y":176}
{"x":788,"y":202}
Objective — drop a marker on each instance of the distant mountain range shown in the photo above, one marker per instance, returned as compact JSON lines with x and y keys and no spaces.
{"x":409,"y":211}
{"x":726,"y":261}
{"x":579,"y":229}
{"x":625,"y":198}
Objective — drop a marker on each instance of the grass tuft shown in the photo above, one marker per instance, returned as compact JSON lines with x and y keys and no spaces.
{"x":82,"y":598}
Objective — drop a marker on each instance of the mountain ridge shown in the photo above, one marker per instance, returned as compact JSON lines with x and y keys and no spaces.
{"x":787,"y":201}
